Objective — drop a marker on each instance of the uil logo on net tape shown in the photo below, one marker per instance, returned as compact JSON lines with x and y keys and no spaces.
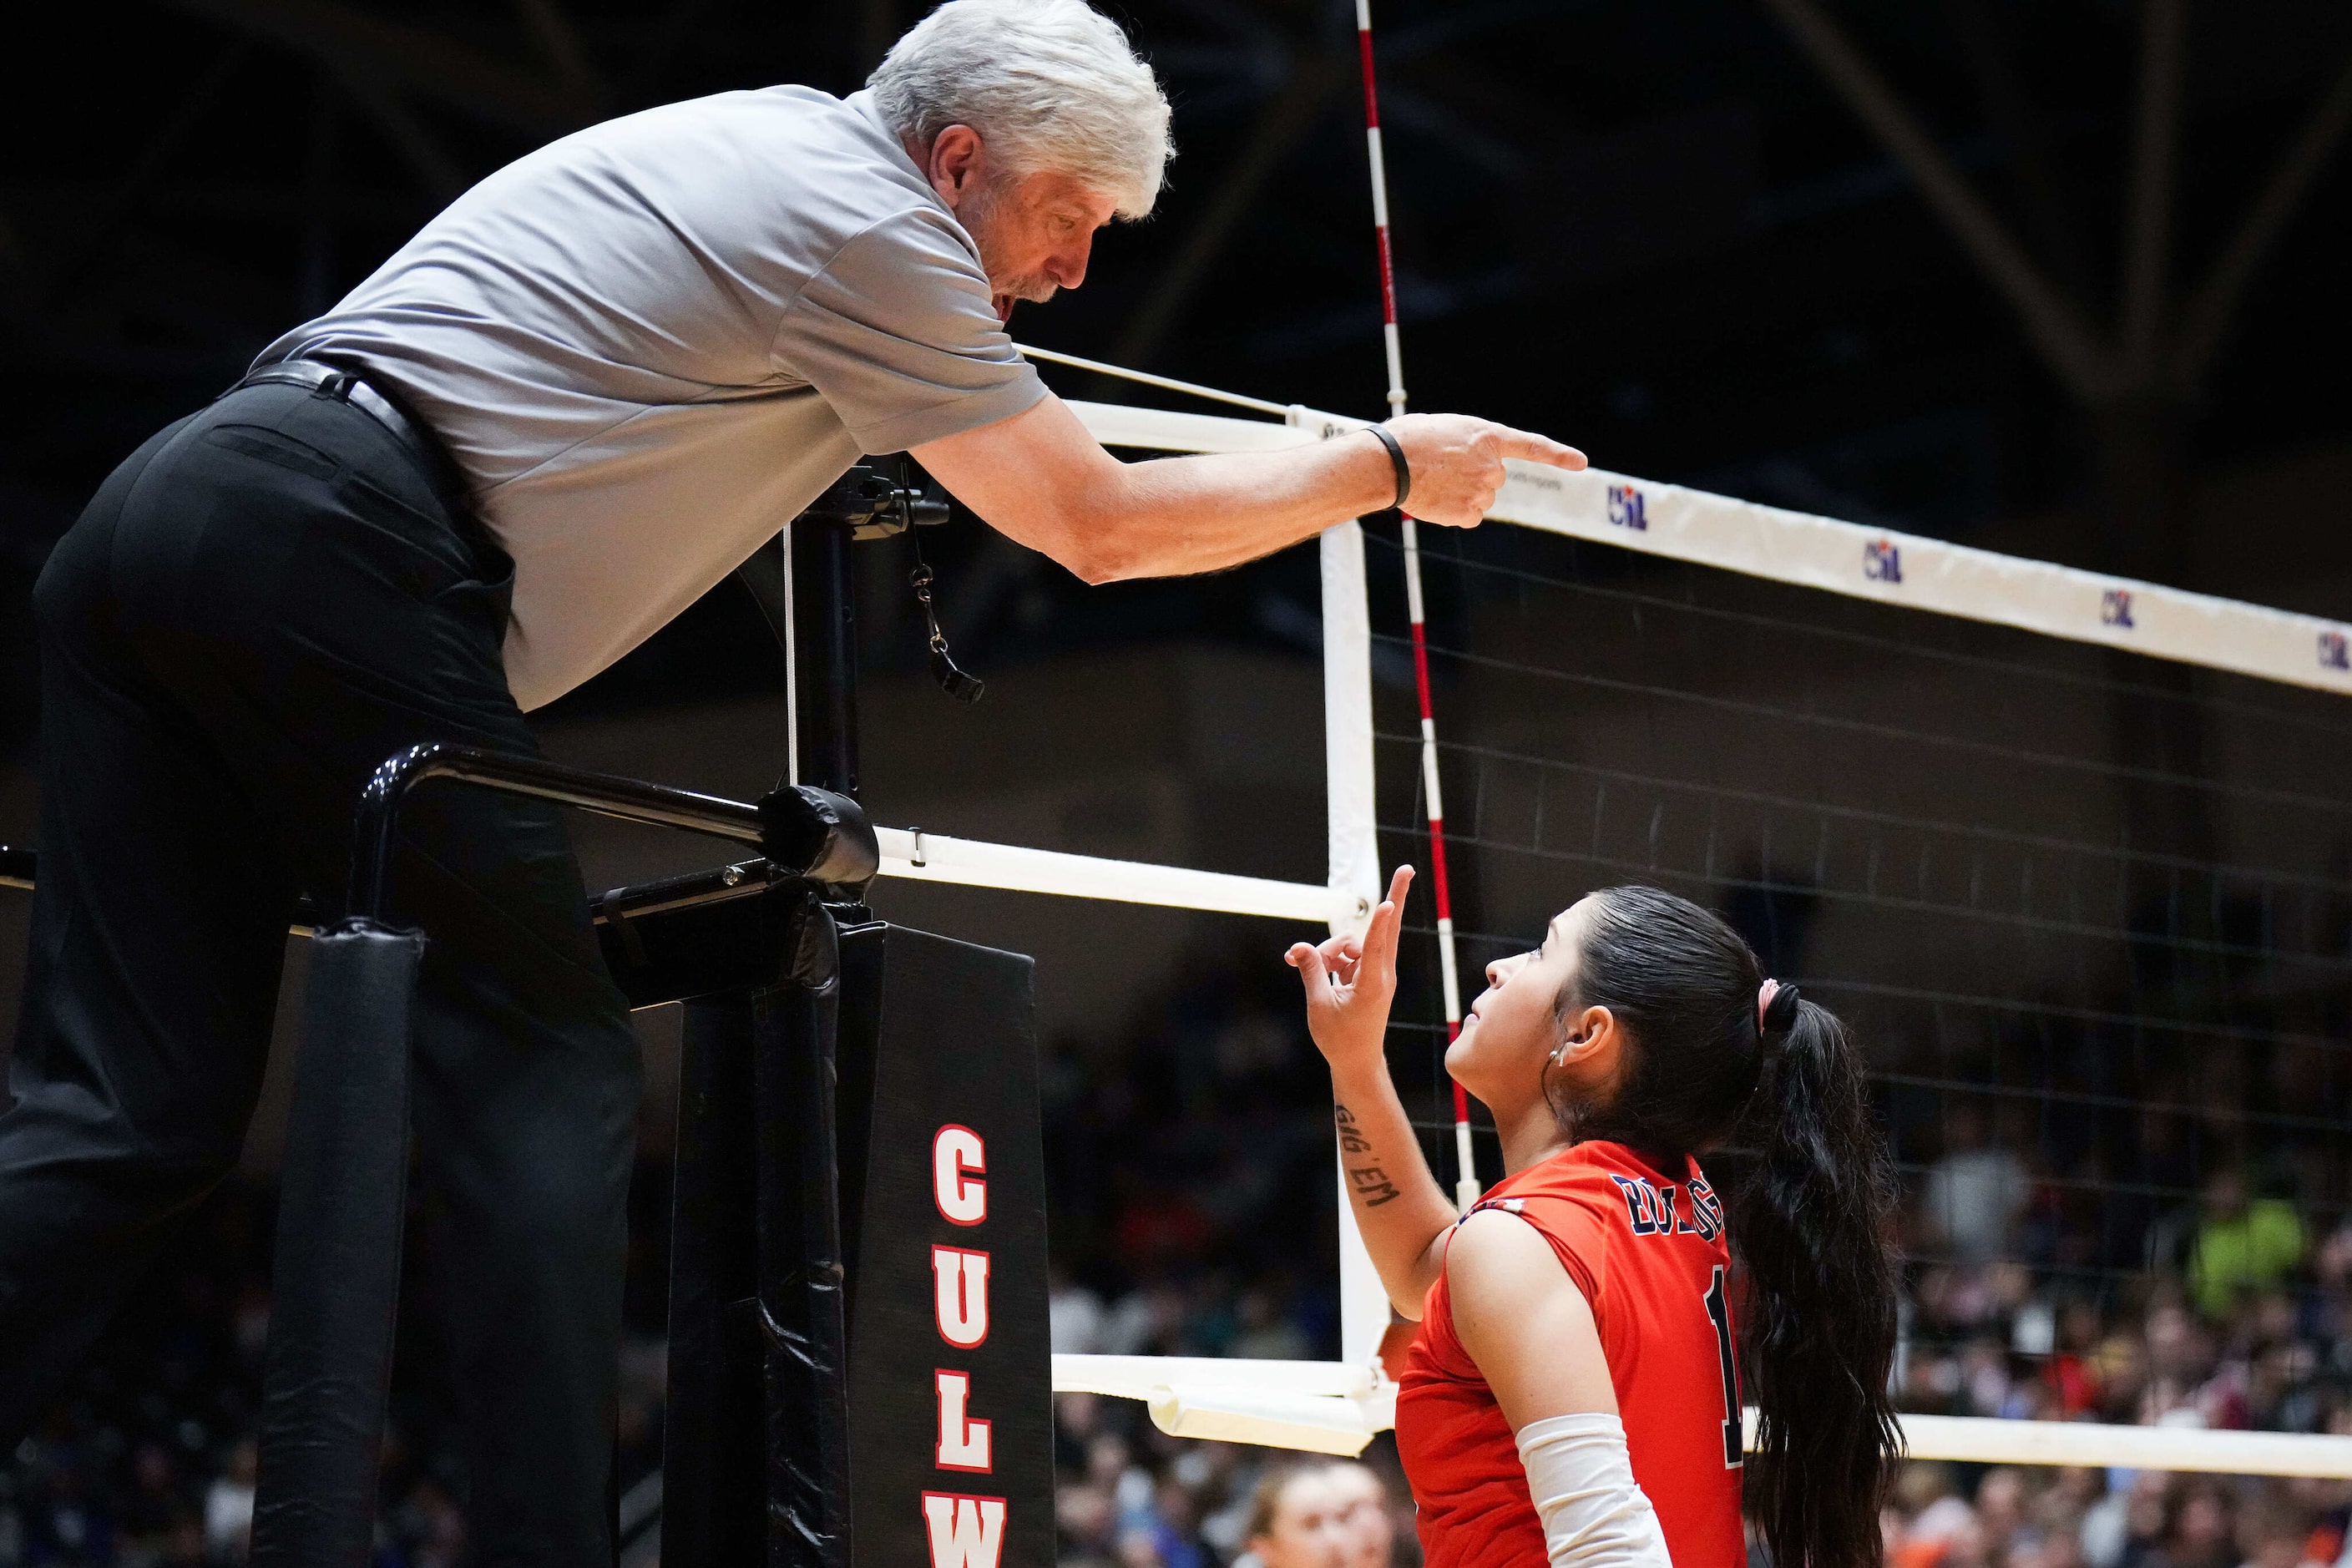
{"x":2116,"y":609}
{"x":1882,"y":561}
{"x":2335,"y":651}
{"x":1627,"y":509}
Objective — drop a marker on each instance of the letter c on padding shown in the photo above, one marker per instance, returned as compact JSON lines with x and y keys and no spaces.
{"x":957,"y":1155}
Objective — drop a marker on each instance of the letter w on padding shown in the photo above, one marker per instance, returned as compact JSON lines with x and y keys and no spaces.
{"x":966,"y":1531}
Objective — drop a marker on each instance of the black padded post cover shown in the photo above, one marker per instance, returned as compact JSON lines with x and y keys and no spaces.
{"x":944,"y":1160}
{"x":813,"y":1178}
{"x":804,"y":1331}
{"x":713,"y":1444}
{"x":336,"y":1272}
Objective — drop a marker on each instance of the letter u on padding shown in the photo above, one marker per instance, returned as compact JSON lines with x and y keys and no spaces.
{"x":959,"y":1290}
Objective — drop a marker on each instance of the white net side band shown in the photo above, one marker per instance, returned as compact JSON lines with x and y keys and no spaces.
{"x":1689,"y":525}
{"x":1846,"y":558}
{"x":1334,"y":1407}
{"x":936,"y":858}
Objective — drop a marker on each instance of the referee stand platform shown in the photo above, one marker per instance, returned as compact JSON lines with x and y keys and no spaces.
{"x":858,"y":1363}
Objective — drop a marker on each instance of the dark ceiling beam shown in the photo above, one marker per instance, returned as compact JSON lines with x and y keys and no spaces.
{"x":2205,"y":323}
{"x":2069,"y":346}
{"x":2011,"y":116}
{"x":2150,"y":183}
{"x":1278,"y":131}
{"x":412,"y":58}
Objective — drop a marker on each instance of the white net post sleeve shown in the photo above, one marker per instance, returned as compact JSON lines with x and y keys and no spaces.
{"x":1355,"y":867}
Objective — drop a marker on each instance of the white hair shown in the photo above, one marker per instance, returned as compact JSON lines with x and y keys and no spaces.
{"x":1048,"y":84}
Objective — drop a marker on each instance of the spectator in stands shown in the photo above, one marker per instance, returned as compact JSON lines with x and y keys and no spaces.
{"x":2072,"y":1370}
{"x":2276,"y":1529}
{"x":155,"y":1503}
{"x":228,"y":1505}
{"x":2204,"y":1531}
{"x":2244,"y":1244}
{"x":1930,"y":1520}
{"x":1973,"y":1197}
{"x":1362,"y":1501}
{"x":2001,"y":1504}
{"x":1175,"y":1530}
{"x":1073,"y":1315}
{"x":1302,"y":1518}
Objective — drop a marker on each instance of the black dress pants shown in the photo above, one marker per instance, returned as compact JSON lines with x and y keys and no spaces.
{"x":262,"y":604}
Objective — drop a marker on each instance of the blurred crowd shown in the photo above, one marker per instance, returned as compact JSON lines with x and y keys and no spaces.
{"x":2177,"y":1275}
{"x":1948,"y":1516}
{"x":1129,"y":1497}
{"x":2231,"y":1308}
{"x":147,"y":1460}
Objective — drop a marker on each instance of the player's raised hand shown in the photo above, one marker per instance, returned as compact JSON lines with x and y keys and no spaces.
{"x":1457,"y":463}
{"x":1349,"y":983}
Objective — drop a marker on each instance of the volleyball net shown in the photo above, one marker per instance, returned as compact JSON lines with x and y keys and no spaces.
{"x":2065,"y":850}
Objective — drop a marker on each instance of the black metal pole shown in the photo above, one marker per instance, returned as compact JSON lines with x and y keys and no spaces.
{"x":827,"y":588}
{"x":632,"y":800}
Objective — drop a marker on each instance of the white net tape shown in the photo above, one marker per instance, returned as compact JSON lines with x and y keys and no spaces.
{"x":1335,"y":1407}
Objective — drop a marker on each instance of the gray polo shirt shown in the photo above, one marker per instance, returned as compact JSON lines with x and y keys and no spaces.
{"x":650,"y":344}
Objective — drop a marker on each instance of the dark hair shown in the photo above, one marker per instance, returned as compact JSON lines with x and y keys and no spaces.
{"x":1809,"y":1222}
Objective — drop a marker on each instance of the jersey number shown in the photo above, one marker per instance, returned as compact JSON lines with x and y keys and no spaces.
{"x":1718,"y":1312}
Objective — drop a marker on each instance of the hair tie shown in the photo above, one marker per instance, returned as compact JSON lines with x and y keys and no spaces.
{"x":1776,"y":1008}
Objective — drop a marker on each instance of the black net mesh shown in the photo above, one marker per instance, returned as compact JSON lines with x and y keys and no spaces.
{"x":2087,"y":914}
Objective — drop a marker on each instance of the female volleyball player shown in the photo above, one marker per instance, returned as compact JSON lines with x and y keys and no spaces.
{"x":1574,"y":1396}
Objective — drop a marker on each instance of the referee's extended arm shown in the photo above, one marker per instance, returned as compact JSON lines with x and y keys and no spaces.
{"x":1042,"y":479}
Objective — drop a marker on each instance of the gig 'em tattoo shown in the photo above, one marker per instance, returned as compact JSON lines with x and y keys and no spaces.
{"x":1350,"y":1140}
{"x":1373,"y":1185}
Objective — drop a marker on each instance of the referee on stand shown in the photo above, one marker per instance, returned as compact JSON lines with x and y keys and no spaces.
{"x":571,"y":405}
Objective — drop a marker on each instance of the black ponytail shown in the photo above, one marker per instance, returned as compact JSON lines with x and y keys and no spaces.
{"x":1809,"y":1224}
{"x":1819,"y":1321}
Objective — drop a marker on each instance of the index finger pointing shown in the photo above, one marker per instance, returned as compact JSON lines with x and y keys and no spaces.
{"x":1380,"y":938}
{"x":1536,"y":448}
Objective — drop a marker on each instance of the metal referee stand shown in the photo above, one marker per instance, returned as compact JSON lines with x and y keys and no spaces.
{"x":860,"y":1369}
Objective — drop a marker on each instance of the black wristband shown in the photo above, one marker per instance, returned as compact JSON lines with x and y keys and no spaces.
{"x":1396,"y":457}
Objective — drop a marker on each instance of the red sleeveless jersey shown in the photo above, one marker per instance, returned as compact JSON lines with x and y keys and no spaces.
{"x":1648,"y":1251}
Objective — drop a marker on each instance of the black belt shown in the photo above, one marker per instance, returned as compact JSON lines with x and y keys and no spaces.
{"x":334,"y":381}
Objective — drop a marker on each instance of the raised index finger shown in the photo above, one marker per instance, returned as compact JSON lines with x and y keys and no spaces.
{"x":1381,"y":937}
{"x":1536,"y":448}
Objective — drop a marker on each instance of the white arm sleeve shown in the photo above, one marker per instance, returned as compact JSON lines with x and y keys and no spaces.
{"x":1593,"y":1514}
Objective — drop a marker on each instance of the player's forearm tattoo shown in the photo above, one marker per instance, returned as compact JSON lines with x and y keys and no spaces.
{"x":1373,"y":1185}
{"x":1371,"y":1182}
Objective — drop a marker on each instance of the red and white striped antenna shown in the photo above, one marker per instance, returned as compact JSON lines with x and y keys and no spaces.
{"x":1466,"y":1182}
